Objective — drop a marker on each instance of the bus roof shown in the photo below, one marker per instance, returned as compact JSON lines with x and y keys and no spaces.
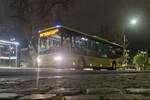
{"x":74,"y":30}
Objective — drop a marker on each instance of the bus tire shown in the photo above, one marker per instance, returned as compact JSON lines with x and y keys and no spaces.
{"x":114,"y":65}
{"x":81,"y":62}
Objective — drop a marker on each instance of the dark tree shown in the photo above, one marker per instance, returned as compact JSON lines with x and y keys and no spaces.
{"x":111,"y":33}
{"x":32,"y":15}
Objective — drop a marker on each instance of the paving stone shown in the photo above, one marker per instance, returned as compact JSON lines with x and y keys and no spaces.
{"x":84,"y":97}
{"x":126,"y":97}
{"x":107,"y":97}
{"x":29,"y":91}
{"x":135,"y":97}
{"x":103,"y":91}
{"x":66,"y":91}
{"x":138,"y":91}
{"x":6,"y":91}
{"x":94,"y":97}
{"x":33,"y":91}
{"x":8,"y":96}
{"x":11,"y":82}
{"x":38,"y":97}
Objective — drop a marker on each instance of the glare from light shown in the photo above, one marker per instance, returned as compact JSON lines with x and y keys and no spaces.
{"x":58,"y":58}
{"x":12,"y":39}
{"x":8,"y":42}
{"x":87,"y":69}
{"x":133,"y":21}
{"x":39,"y":31}
{"x":16,"y":43}
{"x":8,"y":57}
{"x":11,"y":48}
{"x":57,"y":26}
{"x":38,"y":60}
{"x":83,"y":38}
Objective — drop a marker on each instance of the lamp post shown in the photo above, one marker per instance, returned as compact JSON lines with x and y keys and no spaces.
{"x":132,"y":22}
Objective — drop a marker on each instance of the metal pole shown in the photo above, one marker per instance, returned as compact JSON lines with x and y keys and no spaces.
{"x":124,"y":43}
{"x":37,"y":70}
{"x":9,"y":55}
{"x":16,"y":56}
{"x":124,"y":47}
{"x":38,"y":48}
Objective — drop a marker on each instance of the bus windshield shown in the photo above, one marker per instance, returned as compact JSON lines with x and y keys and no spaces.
{"x":54,"y":43}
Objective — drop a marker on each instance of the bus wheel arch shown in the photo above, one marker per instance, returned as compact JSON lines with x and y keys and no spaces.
{"x":81,"y":62}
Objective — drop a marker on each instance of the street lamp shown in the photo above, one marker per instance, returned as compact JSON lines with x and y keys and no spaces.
{"x":133,"y":22}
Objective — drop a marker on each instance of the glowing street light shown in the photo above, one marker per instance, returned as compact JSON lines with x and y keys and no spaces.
{"x":133,"y":21}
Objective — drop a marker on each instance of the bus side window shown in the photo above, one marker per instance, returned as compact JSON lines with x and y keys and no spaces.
{"x":43,"y":44}
{"x":50,"y":43}
{"x":56,"y":43}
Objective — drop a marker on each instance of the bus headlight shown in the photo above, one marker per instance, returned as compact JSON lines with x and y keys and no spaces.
{"x":58,"y":58}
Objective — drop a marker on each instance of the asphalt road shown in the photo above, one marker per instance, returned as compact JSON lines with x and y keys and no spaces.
{"x":14,"y":72}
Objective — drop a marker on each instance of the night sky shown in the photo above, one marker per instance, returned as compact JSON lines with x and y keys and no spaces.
{"x":87,"y":15}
